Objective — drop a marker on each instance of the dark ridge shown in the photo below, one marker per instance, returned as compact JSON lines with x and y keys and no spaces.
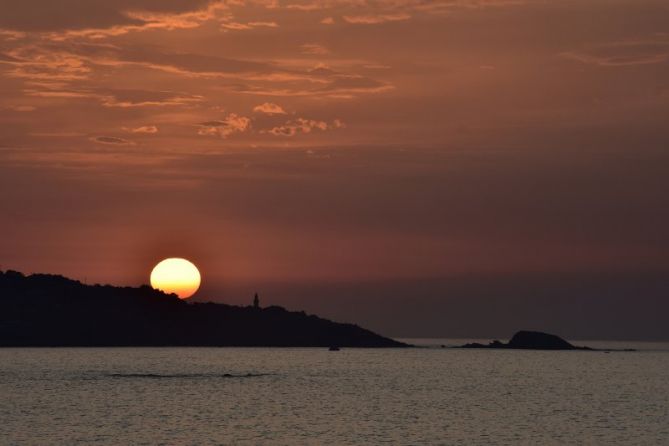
{"x":53,"y":311}
{"x":530,"y":340}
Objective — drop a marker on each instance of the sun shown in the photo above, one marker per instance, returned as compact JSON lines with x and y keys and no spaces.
{"x":176,"y":275}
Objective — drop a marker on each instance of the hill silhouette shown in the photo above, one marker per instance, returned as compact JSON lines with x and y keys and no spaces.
{"x":50,"y":310}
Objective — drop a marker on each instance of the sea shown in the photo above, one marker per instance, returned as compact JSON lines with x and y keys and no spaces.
{"x":431,"y":395}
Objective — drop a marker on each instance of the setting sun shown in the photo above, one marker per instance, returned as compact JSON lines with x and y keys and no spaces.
{"x":176,"y":275}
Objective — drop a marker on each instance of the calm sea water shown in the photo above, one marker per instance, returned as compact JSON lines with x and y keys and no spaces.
{"x":424,"y":396}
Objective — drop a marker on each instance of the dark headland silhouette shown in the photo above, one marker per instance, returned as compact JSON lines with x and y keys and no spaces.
{"x":530,"y":340}
{"x":49,"y":310}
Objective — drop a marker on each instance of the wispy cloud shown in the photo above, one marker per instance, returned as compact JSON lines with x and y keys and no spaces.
{"x":315,"y":49}
{"x":149,"y":129}
{"x":22,"y":108}
{"x":239,"y":26}
{"x":112,"y":140}
{"x":638,"y":52}
{"x":142,"y":20}
{"x":376,"y":19}
{"x":147,"y":98}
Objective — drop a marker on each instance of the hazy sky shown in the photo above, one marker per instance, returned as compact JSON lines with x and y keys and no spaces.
{"x":321,"y":142}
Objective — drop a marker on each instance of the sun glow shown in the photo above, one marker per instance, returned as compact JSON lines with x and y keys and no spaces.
{"x":176,"y":275}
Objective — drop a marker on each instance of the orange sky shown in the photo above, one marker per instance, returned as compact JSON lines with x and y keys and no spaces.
{"x":333,"y":140}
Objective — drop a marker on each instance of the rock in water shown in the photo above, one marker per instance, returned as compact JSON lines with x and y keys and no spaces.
{"x":539,"y":340}
{"x":534,"y":340}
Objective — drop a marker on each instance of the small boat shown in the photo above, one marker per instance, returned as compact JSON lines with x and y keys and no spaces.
{"x":334,"y":349}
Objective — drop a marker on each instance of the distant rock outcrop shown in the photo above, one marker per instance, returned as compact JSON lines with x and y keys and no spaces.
{"x":47,"y":310}
{"x":530,"y":340}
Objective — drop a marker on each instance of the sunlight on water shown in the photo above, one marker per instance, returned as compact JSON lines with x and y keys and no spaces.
{"x":312,"y":396}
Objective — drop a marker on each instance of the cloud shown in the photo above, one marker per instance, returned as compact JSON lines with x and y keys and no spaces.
{"x":189,"y":64}
{"x":264,"y":24}
{"x":338,"y":124}
{"x":226,"y":127}
{"x":24,"y":108}
{"x":112,"y":140}
{"x":315,"y":49}
{"x":149,"y":129}
{"x":238,"y":26}
{"x":58,"y":134}
{"x":11,"y":35}
{"x":147,"y":98}
{"x":60,"y":94}
{"x":79,"y":61}
{"x":115,"y":98}
{"x":50,"y":64}
{"x":623,"y":53}
{"x":376,"y":19}
{"x":94,"y":17}
{"x":146,"y":21}
{"x":269,"y":108}
{"x":7,"y":58}
{"x":322,"y":70}
{"x":311,"y":6}
{"x":80,"y":67}
{"x":301,"y":125}
{"x":324,"y":82}
{"x":97,"y":19}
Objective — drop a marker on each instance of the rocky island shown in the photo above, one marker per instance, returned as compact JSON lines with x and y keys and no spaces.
{"x":530,"y":340}
{"x":47,"y":310}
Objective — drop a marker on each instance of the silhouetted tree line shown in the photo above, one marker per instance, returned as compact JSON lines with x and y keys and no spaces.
{"x":51,"y":310}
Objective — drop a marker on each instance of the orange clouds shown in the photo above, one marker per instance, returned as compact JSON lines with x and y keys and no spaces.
{"x":269,"y":108}
{"x":123,"y":64}
{"x":102,"y":67}
{"x":301,"y":125}
{"x":226,"y":127}
{"x":146,"y":20}
{"x":235,"y":124}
